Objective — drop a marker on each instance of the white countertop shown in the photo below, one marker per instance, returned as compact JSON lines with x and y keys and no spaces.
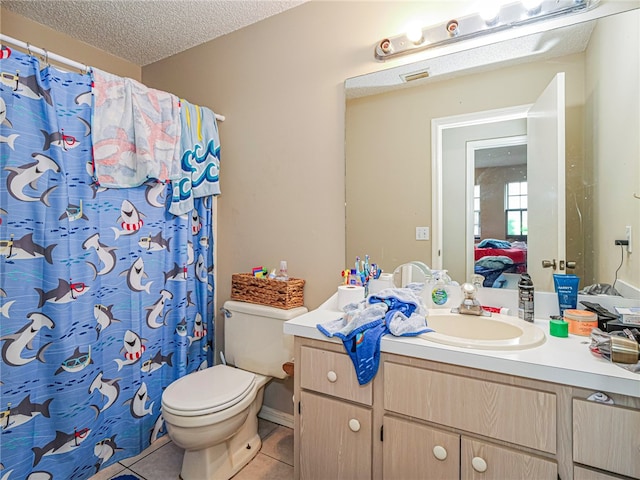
{"x":565,"y":361}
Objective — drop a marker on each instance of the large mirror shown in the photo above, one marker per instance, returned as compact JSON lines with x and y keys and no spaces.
{"x":394,"y":181}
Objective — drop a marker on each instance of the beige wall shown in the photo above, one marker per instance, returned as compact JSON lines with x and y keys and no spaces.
{"x":617,"y":174}
{"x":26,"y":30}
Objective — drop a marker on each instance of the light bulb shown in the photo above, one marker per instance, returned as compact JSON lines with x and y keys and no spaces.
{"x":489,"y":11}
{"x":414,"y":34}
{"x":532,"y":6}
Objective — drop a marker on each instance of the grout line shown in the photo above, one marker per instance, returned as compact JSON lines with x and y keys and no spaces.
{"x":277,"y":459}
{"x":269,"y":434}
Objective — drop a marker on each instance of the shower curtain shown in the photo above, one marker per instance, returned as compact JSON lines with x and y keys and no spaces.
{"x":105,"y":297}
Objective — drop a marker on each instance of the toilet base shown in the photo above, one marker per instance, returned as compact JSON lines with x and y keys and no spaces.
{"x":223,"y":460}
{"x":220,"y":462}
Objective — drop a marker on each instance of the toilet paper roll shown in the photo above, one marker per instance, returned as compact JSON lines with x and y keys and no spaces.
{"x":349,"y":294}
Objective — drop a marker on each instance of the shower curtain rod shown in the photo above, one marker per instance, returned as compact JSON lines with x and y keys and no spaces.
{"x":59,"y":58}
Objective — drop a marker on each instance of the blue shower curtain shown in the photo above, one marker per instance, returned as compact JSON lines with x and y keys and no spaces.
{"x":105,"y":297}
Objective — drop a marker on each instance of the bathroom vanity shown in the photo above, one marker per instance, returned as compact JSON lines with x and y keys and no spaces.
{"x":445,"y":412}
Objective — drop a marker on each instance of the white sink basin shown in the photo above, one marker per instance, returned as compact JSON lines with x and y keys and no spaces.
{"x":498,"y":332}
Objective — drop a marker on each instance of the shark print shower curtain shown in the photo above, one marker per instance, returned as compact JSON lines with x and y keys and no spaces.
{"x":105,"y":297}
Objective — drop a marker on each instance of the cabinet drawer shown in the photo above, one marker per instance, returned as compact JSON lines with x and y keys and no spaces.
{"x":580,"y":473}
{"x":513,"y":414}
{"x":335,"y":439}
{"x":332,"y":373}
{"x":606,"y":437}
{"x":501,"y":463}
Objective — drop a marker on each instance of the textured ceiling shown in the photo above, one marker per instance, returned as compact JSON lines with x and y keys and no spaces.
{"x":145,"y":31}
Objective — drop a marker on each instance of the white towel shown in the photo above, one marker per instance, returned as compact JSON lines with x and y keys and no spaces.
{"x":135,"y":132}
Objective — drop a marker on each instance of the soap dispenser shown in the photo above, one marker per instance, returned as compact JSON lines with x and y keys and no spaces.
{"x":440,"y":290}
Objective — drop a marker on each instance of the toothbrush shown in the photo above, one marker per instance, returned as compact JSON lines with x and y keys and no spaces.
{"x":366,"y":265}
{"x":358,"y":265}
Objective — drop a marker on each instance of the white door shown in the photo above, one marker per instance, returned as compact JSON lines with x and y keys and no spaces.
{"x":546,"y":177}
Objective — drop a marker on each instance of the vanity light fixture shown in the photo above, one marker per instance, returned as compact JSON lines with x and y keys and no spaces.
{"x":491,"y":19}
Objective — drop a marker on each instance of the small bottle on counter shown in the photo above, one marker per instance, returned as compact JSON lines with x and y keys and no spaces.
{"x":525,"y":298}
{"x":283,"y":274}
{"x":355,"y":278}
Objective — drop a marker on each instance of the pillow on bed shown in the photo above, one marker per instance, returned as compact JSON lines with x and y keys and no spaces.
{"x":493,"y":243}
{"x":494,"y":262}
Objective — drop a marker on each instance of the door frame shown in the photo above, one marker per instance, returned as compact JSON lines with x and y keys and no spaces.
{"x":438,"y":126}
{"x":470,"y":167}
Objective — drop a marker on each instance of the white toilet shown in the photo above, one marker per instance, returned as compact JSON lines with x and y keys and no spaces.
{"x":213,"y":413}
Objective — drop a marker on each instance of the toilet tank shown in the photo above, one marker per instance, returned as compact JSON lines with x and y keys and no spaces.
{"x":254,"y":340}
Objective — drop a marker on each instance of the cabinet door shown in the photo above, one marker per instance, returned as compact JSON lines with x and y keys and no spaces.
{"x":606,"y":437}
{"x":335,"y":439}
{"x":413,"y":451}
{"x":580,"y":473}
{"x":482,"y":461}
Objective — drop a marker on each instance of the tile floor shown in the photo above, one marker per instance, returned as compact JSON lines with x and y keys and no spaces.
{"x":162,"y":461}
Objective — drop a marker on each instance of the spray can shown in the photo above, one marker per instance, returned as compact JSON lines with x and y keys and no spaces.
{"x":525,"y":298}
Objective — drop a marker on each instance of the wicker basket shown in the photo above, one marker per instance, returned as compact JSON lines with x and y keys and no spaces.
{"x":263,"y":291}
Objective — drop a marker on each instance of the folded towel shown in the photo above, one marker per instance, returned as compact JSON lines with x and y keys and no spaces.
{"x":398,"y":311}
{"x":200,"y":158}
{"x":493,"y":243}
{"x":135,"y":132}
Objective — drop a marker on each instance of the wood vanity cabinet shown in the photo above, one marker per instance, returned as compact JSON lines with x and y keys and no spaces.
{"x":334,"y":419}
{"x":420,"y":419}
{"x":471,"y":406}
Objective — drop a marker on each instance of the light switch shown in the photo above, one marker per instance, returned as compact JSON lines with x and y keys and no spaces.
{"x":422,"y":233}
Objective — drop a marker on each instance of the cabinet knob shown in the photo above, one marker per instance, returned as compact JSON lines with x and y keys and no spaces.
{"x":440,"y":452}
{"x":332,"y":376}
{"x":479,"y":464}
{"x":354,"y":425}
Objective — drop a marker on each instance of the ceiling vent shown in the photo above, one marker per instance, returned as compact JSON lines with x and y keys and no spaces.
{"x":410,"y":77}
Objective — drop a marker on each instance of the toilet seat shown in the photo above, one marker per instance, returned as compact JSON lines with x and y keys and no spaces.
{"x":207,"y":391}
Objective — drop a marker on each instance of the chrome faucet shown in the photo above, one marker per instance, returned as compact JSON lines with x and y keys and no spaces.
{"x":470,"y":304}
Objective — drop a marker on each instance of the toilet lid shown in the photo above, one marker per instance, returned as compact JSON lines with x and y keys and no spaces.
{"x":208,"y":391}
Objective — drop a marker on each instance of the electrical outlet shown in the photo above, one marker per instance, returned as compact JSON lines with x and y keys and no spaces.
{"x":422,"y":233}
{"x":628,"y":237}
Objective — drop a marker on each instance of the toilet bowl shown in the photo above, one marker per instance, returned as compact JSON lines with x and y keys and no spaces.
{"x":217,"y":422}
{"x":213,"y":413}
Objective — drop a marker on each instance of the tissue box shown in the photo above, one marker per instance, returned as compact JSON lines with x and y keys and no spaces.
{"x":629,"y":314}
{"x":265,"y":291}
